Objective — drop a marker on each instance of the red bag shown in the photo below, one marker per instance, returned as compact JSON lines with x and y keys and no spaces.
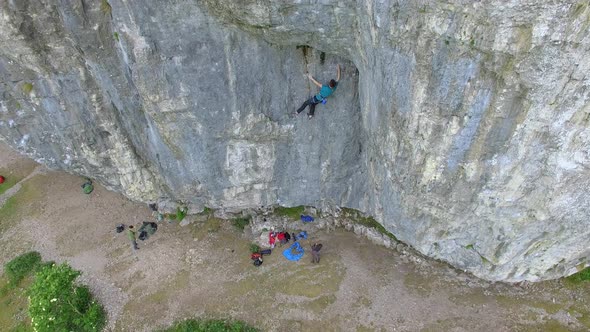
{"x":2,"y":179}
{"x":255,"y":255}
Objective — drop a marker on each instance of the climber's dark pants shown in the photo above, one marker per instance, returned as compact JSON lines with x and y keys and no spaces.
{"x":315,"y":256}
{"x":311,"y":102}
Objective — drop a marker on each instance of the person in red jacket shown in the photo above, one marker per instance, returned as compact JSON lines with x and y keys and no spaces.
{"x":282,"y":239}
{"x":271,"y":239}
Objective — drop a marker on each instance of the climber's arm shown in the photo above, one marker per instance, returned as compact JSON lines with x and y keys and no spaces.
{"x":314,"y":81}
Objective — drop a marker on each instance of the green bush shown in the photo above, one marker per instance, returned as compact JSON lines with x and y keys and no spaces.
{"x":241,"y":222}
{"x":254,"y":248}
{"x":21,"y":266}
{"x":581,"y":276}
{"x":27,"y":88}
{"x":291,"y":212}
{"x":213,"y":325}
{"x":57,"y":304}
{"x":180,"y":213}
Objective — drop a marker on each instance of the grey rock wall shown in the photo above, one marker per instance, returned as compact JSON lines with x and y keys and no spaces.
{"x":462,"y":126}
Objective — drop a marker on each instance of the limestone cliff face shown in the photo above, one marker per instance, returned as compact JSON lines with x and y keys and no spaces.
{"x":462,"y":126}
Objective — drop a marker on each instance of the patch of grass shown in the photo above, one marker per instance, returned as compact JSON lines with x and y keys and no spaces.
{"x":166,"y":294}
{"x":213,"y":225}
{"x":8,"y":183}
{"x":551,"y":325}
{"x":581,"y":315}
{"x":180,"y":213}
{"x":14,"y":173}
{"x":370,"y":222}
{"x":291,"y":212}
{"x":254,"y":248}
{"x":211,"y":325}
{"x":27,"y":88}
{"x":22,"y":327}
{"x":469,"y":246}
{"x":105,"y":7}
{"x":13,"y":307}
{"x":21,"y":266}
{"x":26,"y":200}
{"x":310,"y":281}
{"x":116,"y":35}
{"x":241,"y":222}
{"x":321,"y":303}
{"x":207,"y":212}
{"x":579,"y":277}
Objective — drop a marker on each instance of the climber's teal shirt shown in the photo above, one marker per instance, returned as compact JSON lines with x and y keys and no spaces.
{"x":325,"y":92}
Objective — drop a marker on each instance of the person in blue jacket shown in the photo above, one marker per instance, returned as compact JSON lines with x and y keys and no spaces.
{"x":325,"y":91}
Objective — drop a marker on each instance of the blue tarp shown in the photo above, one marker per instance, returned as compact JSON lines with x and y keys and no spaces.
{"x":296,"y":255}
{"x":302,"y":235}
{"x":306,"y":218}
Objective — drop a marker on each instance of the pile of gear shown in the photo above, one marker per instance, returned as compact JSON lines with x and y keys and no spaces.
{"x":257,"y":256}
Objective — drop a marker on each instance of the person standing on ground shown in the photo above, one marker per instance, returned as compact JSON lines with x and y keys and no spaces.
{"x":132,"y":236}
{"x":325,"y":91}
{"x":315,"y":252}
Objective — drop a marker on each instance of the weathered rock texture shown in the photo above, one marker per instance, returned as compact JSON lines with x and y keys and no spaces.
{"x":462,"y":126}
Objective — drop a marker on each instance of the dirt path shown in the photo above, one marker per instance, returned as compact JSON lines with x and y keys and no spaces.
{"x":203,"y":269}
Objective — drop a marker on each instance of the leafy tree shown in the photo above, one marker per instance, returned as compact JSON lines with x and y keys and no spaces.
{"x":56,"y":303}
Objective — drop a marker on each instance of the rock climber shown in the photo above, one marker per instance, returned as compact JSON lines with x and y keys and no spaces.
{"x":325,"y":91}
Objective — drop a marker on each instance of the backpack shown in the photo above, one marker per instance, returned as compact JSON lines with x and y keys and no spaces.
{"x":143,"y":235}
{"x":306,"y":218}
{"x":258,"y":262}
{"x":87,"y":187}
